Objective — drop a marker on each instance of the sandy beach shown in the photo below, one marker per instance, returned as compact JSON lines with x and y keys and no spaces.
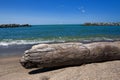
{"x":11,"y":69}
{"x":60,"y":40}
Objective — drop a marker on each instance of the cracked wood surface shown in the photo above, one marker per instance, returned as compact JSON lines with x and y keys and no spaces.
{"x":69,"y":54}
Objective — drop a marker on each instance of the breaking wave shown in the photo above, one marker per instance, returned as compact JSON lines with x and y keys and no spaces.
{"x":7,"y":42}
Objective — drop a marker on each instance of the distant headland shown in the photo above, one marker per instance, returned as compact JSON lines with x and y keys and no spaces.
{"x":13,"y":25}
{"x":102,"y":24}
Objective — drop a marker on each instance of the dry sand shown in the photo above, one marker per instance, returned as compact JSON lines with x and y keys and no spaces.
{"x":10,"y":69}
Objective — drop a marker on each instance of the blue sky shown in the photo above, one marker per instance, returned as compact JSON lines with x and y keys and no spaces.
{"x":59,"y":11}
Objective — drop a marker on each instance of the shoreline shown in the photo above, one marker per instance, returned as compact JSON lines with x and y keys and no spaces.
{"x":18,"y":50}
{"x":34,"y":42}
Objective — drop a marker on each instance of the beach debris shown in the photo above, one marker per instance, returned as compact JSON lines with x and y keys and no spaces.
{"x":69,"y":54}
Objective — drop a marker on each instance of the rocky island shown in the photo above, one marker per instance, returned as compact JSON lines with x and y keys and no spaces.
{"x":13,"y":25}
{"x":102,"y":24}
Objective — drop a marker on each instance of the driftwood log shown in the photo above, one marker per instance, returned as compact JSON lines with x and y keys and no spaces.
{"x":68,"y":54}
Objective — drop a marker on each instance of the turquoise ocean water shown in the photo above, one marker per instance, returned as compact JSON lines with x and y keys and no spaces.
{"x":12,"y":37}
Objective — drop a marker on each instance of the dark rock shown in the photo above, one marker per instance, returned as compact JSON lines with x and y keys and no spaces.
{"x":102,"y":24}
{"x":13,"y":25}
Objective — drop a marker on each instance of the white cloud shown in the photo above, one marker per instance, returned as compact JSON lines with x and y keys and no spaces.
{"x":81,"y":9}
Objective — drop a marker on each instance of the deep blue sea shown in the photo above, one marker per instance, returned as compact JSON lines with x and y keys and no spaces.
{"x":14,"y":38}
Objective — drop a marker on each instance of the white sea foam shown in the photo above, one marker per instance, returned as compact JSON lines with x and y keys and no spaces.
{"x":37,"y":41}
{"x":25,"y":42}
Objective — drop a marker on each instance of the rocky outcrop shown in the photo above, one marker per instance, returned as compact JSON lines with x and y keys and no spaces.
{"x":13,"y":25}
{"x":67,"y":54}
{"x":102,"y":24}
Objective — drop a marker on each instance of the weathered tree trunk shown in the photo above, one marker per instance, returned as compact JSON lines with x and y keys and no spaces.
{"x":66,"y":54}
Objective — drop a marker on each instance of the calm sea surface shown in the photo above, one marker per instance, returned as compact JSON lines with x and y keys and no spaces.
{"x":12,"y":37}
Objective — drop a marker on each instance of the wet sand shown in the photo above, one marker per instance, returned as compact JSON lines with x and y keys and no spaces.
{"x":11,"y":69}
